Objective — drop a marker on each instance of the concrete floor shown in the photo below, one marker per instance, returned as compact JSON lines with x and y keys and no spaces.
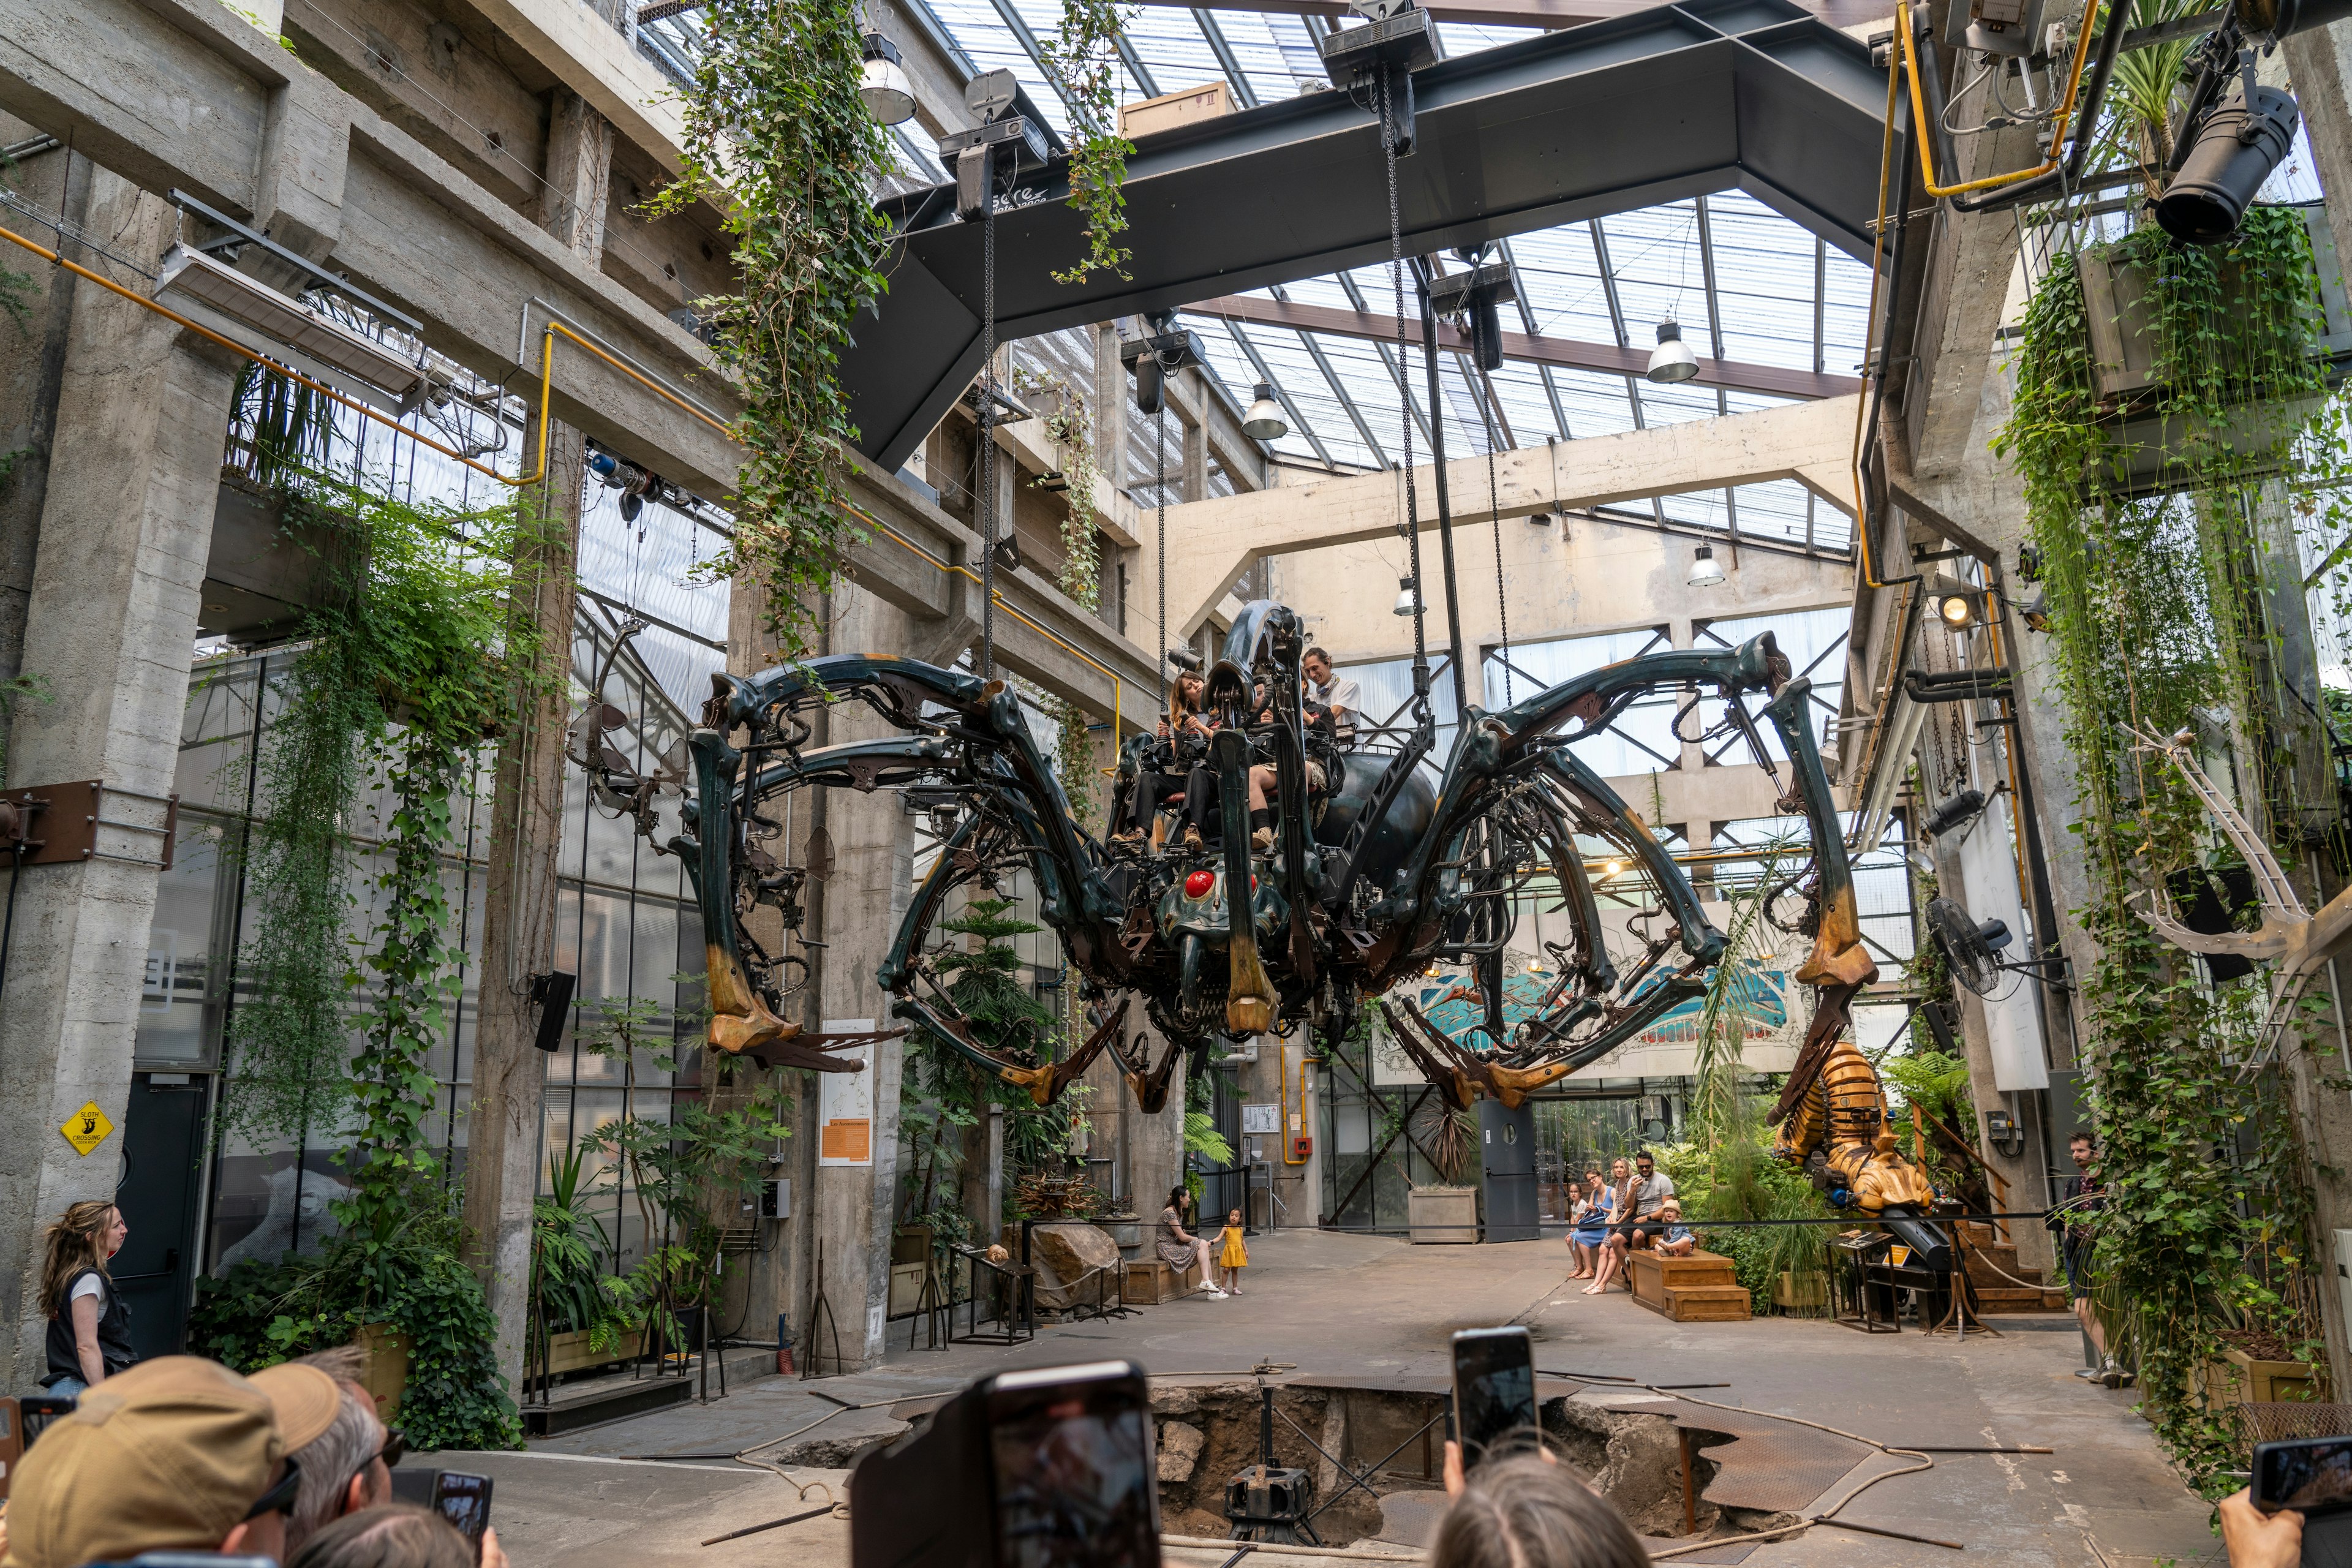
{"x":1343,"y":1305}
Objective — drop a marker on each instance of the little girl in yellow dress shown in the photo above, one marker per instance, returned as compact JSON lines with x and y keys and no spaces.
{"x":1234,"y":1258}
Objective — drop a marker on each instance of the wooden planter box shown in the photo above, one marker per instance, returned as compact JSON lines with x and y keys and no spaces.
{"x":571,"y":1352}
{"x":2119,"y":310}
{"x":2240,"y":1379}
{"x":387,"y":1367}
{"x":1443,"y":1216}
{"x":1797,"y":1292}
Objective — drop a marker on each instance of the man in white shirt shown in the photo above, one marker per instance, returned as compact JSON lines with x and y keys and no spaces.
{"x":1341,"y":696}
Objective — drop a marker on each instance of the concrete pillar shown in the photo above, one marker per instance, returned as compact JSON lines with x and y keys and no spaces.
{"x":1196,"y":441}
{"x":30,"y":374}
{"x":503,"y":1124}
{"x":2318,"y":63}
{"x":1110,"y":407}
{"x":111,"y":624}
{"x":852,"y":1209}
{"x":1155,"y":1144}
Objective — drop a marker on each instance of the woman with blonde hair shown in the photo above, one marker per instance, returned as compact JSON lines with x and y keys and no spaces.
{"x":89,"y":1325}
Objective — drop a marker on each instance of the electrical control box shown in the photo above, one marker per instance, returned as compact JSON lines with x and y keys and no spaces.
{"x":776,"y":1198}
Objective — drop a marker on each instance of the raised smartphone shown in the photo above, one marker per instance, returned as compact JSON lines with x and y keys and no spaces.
{"x":465,"y":1501}
{"x":1493,"y":1393}
{"x":1071,"y":1468}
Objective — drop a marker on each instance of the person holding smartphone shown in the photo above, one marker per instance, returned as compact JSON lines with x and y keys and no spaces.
{"x":2252,"y":1538}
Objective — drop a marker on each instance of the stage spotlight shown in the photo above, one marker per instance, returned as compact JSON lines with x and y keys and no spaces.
{"x":1706,"y":570}
{"x":1955,"y":810}
{"x":2036,"y":613}
{"x":1960,"y":608}
{"x":882,"y":82}
{"x":2233,"y":153}
{"x":1263,"y":422}
{"x":1408,"y":599}
{"x":1007,"y":553}
{"x":1672,"y":360}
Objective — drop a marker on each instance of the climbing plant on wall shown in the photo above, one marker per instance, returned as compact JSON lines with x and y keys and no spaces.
{"x":1083,"y":57}
{"x":2157,"y":585}
{"x":777,"y":139}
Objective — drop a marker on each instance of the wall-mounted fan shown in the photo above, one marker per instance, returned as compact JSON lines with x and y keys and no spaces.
{"x":1971,"y":949}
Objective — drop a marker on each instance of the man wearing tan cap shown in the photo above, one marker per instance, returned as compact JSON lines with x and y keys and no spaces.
{"x":336,"y":1438}
{"x":176,"y":1453}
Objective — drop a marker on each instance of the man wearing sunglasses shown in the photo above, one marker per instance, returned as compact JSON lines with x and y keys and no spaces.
{"x":347,"y":1457}
{"x":175,"y":1454}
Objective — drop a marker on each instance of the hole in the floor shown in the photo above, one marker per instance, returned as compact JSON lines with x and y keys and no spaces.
{"x":1210,"y":1434}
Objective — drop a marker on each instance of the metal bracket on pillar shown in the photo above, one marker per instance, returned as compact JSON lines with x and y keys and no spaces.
{"x":70,"y":816}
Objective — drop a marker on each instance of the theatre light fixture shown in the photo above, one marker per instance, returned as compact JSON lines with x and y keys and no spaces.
{"x":191,"y":275}
{"x":1706,"y":570}
{"x":1263,"y":422}
{"x":1408,"y":597}
{"x":1672,"y":360}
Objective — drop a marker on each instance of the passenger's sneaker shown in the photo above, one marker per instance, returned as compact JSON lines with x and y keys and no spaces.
{"x":1262,"y":840}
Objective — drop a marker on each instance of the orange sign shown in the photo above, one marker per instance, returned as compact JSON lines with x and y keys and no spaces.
{"x":851,"y":1141}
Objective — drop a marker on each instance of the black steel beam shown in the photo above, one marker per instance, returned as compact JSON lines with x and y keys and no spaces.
{"x":1753,"y":95}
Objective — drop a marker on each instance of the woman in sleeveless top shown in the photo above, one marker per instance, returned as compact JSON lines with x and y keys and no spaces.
{"x":1179,"y":1249}
{"x":89,"y":1325}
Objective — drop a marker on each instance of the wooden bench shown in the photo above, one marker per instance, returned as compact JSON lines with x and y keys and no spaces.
{"x":1699,"y":1288}
{"x":1149,"y":1281}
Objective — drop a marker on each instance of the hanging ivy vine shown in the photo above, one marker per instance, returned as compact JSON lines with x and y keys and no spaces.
{"x":2157,"y":622}
{"x":1083,"y":57}
{"x":777,"y":139}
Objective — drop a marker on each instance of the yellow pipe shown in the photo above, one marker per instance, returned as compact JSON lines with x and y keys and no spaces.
{"x":546,"y":383}
{"x":1118,"y":687}
{"x":546,"y":367}
{"x":1909,"y":47}
{"x":1282,"y":1085}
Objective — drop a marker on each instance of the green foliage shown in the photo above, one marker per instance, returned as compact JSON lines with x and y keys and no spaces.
{"x":405,"y":674}
{"x":1737,"y":1179}
{"x":2157,"y":623}
{"x":282,"y":431}
{"x":777,"y":139}
{"x":262,"y":1313}
{"x":943,"y":1093}
{"x":685,"y":1169}
{"x":1083,"y":57}
{"x":571,"y":1290}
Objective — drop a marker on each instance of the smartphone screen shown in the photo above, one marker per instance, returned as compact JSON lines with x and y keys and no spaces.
{"x":465,"y":1501}
{"x":1071,"y":1464}
{"x":1493,"y":1393}
{"x":2311,"y":1475}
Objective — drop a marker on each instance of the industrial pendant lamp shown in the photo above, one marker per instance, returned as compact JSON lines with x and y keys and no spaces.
{"x":1263,"y":422}
{"x":1408,"y":597}
{"x":1672,"y":360}
{"x":882,"y":84}
{"x":1706,"y":571}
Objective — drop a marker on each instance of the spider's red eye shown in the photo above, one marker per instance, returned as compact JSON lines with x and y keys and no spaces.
{"x":1198,"y":884}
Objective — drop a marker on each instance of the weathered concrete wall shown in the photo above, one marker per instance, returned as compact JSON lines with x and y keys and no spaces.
{"x":125,"y":524}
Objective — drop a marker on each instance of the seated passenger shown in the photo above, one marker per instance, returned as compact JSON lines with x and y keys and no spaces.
{"x":1677,"y":1241}
{"x":1333,"y":691}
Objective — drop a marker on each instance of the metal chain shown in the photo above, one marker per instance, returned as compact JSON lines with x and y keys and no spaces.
{"x":1420,"y":710}
{"x":988,"y":426}
{"x":1495,"y":509}
{"x":1160,"y":532}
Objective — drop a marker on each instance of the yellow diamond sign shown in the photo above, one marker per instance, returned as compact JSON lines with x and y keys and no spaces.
{"x":86,"y":1128}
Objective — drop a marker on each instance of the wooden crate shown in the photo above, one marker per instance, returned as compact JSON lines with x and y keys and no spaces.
{"x":1150,"y":1281}
{"x":1171,"y":110}
{"x":1697,"y":1289}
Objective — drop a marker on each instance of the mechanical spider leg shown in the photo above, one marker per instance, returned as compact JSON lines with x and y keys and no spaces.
{"x":1455,"y":1074}
{"x":1250,"y":1000}
{"x":1043,"y":1082}
{"x":808,"y":1052}
{"x":1148,"y":1084}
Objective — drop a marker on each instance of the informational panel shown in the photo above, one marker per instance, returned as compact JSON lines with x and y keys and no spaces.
{"x":1265,"y":1119}
{"x":845,"y":1103}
